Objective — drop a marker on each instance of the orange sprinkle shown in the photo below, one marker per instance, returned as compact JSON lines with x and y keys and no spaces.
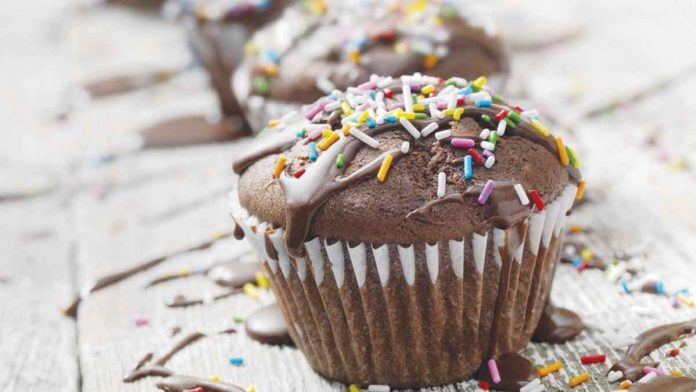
{"x":280,"y":165}
{"x":562,"y":153}
{"x":271,"y":70}
{"x":677,"y":373}
{"x":625,"y":385}
{"x":384,"y":169}
{"x":329,"y":138}
{"x":548,"y":369}
{"x":354,"y":56}
{"x":430,"y":61}
{"x":579,"y":379}
{"x":575,"y":229}
{"x":581,"y":190}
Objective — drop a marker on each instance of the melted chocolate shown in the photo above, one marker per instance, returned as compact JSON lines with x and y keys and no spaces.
{"x":181,"y":301}
{"x":189,"y":130}
{"x":666,"y":384}
{"x":232,"y":274}
{"x":515,"y":372}
{"x":268,"y":326}
{"x":119,"y":84}
{"x":238,"y":232}
{"x":557,"y":325}
{"x":176,"y":383}
{"x":425,"y":212}
{"x":112,"y":279}
{"x":648,"y":341}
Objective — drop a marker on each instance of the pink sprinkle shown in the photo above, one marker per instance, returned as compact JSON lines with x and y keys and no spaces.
{"x":315,"y":134}
{"x":442,"y":105}
{"x":395,"y":105}
{"x":486,"y":153}
{"x":415,"y":87}
{"x":658,"y":372}
{"x":140,"y":321}
{"x":364,"y":106}
{"x":462,"y":143}
{"x":493,"y":369}
{"x":317,"y":108}
{"x":368,"y":86}
{"x":485,"y":194}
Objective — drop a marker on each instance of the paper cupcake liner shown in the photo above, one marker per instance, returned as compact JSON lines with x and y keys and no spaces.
{"x":418,"y":315}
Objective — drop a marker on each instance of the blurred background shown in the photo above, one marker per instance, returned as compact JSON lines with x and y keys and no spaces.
{"x":88,"y":186}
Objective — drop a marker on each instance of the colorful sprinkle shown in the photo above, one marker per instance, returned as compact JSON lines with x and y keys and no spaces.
{"x":562,"y":153}
{"x":443,"y":134}
{"x":647,"y":378}
{"x":251,"y":291}
{"x":531,"y":386}
{"x":441,"y":184}
{"x":674,"y":352}
{"x":313,"y":153}
{"x":428,"y":129}
{"x":579,"y":379}
{"x":490,"y":161}
{"x":538,"y":202}
{"x":279,"y":166}
{"x":410,"y":128}
{"x":236,"y":361}
{"x":625,"y":384}
{"x":141,"y":321}
{"x":468,"y":168}
{"x":581,"y":190}
{"x":353,"y":388}
{"x":462,"y":143}
{"x":475,"y":154}
{"x":524,"y":200}
{"x":365,"y":138}
{"x":493,"y":370}
{"x":493,"y":138}
{"x":340,"y":161}
{"x":593,"y":359}
{"x":384,"y":169}
{"x":486,"y":192}
{"x":329,"y":139}
{"x":261,"y":280}
{"x":548,"y":369}
{"x":539,"y":127}
{"x":428,"y":89}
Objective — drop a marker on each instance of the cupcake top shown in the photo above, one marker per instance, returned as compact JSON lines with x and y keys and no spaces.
{"x":317,"y":46}
{"x":218,"y":10}
{"x":365,"y":165}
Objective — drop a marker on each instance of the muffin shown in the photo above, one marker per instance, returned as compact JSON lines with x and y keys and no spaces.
{"x":407,"y":241}
{"x":310,"y":51}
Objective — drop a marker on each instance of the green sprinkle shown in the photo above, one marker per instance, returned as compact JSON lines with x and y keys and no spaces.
{"x":493,"y":138}
{"x":514,"y":116}
{"x":340,"y":161}
{"x":421,"y":116}
{"x":509,"y":122}
{"x":451,"y":82}
{"x":571,"y":156}
{"x":474,"y":87}
{"x":414,"y":97}
{"x":238,"y":319}
{"x":497,"y":98}
{"x":261,"y":85}
{"x":486,"y":118}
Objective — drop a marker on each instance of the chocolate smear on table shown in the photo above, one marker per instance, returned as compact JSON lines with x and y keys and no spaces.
{"x":268,"y":326}
{"x":666,"y":384}
{"x":177,"y":383}
{"x":515,"y":371}
{"x":557,"y":325}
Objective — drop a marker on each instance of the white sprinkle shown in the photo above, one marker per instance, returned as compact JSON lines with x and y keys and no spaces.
{"x":351,"y":100}
{"x":445,"y":92}
{"x":363,"y":137}
{"x":615,"y":272}
{"x":408,"y":101}
{"x":490,"y":161}
{"x":479,"y":96}
{"x":435,"y":112}
{"x":647,"y":378}
{"x":441,"y":184}
{"x":378,"y":388}
{"x":332,"y":106}
{"x":325,"y":85}
{"x":443,"y":134}
{"x":452,"y":103}
{"x":385,"y":82}
{"x":531,"y":385}
{"x":615,"y":376}
{"x":289,"y":116}
{"x":530,"y":114}
{"x":502,"y":125}
{"x":488,"y":146}
{"x":431,"y":100}
{"x":405,"y":146}
{"x":459,"y":82}
{"x":521,"y":194}
{"x":485,"y":133}
{"x":379,"y":97}
{"x":409,"y":127}
{"x":428,"y":129}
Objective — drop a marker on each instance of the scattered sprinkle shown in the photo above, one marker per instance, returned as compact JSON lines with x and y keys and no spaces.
{"x":261,"y":280}
{"x":410,"y":128}
{"x":236,"y":361}
{"x":443,"y":134}
{"x":353,"y":388}
{"x":384,"y":169}
{"x":405,"y":146}
{"x":428,"y":129}
{"x":329,"y":139}
{"x":279,"y":166}
{"x":551,"y":368}
{"x":378,"y":388}
{"x":562,"y":153}
{"x":251,"y":291}
{"x":493,"y":369}
{"x":614,"y":375}
{"x":579,"y":379}
{"x":531,"y":386}
{"x":313,"y":153}
{"x":593,"y":359}
{"x":365,"y":138}
{"x":441,"y":184}
{"x":214,"y":378}
{"x":468,"y":168}
{"x":538,"y":202}
{"x":486,"y":192}
{"x":524,"y":200}
{"x":625,"y":385}
{"x":462,"y":143}
{"x":141,"y":321}
{"x":490,"y":161}
{"x":647,"y":378}
{"x":539,"y":127}
{"x":340,"y":161}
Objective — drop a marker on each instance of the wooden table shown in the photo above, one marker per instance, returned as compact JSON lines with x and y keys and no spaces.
{"x":78,"y":203}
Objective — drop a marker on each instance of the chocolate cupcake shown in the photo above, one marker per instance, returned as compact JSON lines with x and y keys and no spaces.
{"x":311,"y":51}
{"x":407,"y":241}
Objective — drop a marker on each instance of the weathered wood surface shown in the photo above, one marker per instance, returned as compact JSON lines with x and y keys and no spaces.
{"x":102,"y":214}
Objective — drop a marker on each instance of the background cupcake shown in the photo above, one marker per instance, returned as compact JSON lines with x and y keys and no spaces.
{"x":408,"y":241}
{"x":317,"y":47}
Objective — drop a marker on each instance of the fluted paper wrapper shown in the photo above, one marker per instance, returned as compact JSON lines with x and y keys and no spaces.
{"x":418,"y":315}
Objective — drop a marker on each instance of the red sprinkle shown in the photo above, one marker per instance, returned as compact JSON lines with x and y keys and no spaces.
{"x":537,"y":200}
{"x":583,"y":265}
{"x":388,"y":93}
{"x":501,"y":115}
{"x":519,"y":109}
{"x":475,"y":156}
{"x":197,"y":389}
{"x":674,"y":352}
{"x":460,"y":101}
{"x":298,"y":173}
{"x":484,"y":385}
{"x":592,"y":359}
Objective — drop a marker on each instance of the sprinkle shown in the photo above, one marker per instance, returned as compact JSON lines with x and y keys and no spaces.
{"x":685,"y":300}
{"x":341,"y":160}
{"x":510,"y":123}
{"x":409,"y":127}
{"x":593,"y":359}
{"x":548,"y":369}
{"x":214,"y":378}
{"x":365,"y":138}
{"x":441,"y":184}
{"x":443,"y":134}
{"x":614,"y":375}
{"x":480,"y":82}
{"x":430,"y":60}
{"x":493,"y":138}
{"x":378,"y":388}
{"x":484,"y":385}
{"x":141,"y":321}
{"x":301,"y":133}
{"x":468,"y":168}
{"x":363,"y":116}
{"x":501,"y":115}
{"x":490,"y":161}
{"x":417,"y":107}
{"x":514,"y":116}
{"x":354,"y":56}
{"x":562,"y":153}
{"x":485,"y":134}
{"x":625,"y":385}
{"x":353,"y":388}
{"x":572,"y":157}
{"x":347,"y":111}
{"x":579,"y":379}
{"x":647,"y":378}
{"x":486,"y":192}
{"x":261,"y":280}
{"x":435,"y":112}
{"x":327,"y":141}
{"x":462,"y":142}
{"x":389,"y":93}
{"x":581,"y":190}
{"x":238,"y":319}
{"x":538,"y":202}
{"x":539,"y":127}
{"x":493,"y":370}
{"x":405,"y":146}
{"x":452,"y":101}
{"x":649,"y":369}
{"x":486,"y":118}
{"x":531,"y":386}
{"x":196,"y":389}
{"x":371,"y":123}
{"x":408,"y":103}
{"x":251,"y":388}
{"x":428,"y":89}
{"x":456,"y":81}
{"x":676,"y":373}
{"x":674,"y":352}
{"x":475,"y":154}
{"x":236,"y":361}
{"x":428,"y":129}
{"x":313,"y":153}
{"x":483,"y":103}
{"x":384,"y":169}
{"x":279,"y":166}
{"x":251,"y":291}
{"x":524,"y":200}
{"x":261,"y":85}
{"x":502,"y":126}
{"x":488,"y":146}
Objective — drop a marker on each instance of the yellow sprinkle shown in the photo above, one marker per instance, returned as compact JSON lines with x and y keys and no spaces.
{"x":586,"y":254}
{"x":214,"y":378}
{"x":384,"y":169}
{"x":271,"y":70}
{"x":219,"y":234}
{"x":548,"y":369}
{"x":685,"y":300}
{"x":400,"y":47}
{"x":539,"y":127}
{"x":272,"y":123}
{"x":363,"y":116}
{"x":251,"y":389}
{"x":417,"y":107}
{"x":448,"y":112}
{"x":457,"y":114}
{"x":318,"y":6}
{"x":676,"y":373}
{"x":480,"y":82}
{"x":327,"y":141}
{"x":430,"y":61}
{"x":280,"y":165}
{"x":353,"y":388}
{"x":346,"y":108}
{"x":562,"y":153}
{"x":251,"y":48}
{"x":185,"y":272}
{"x":346,"y":130}
{"x":576,"y":164}
{"x":428,"y":89}
{"x":261,"y":280}
{"x":408,"y":115}
{"x":575,"y":229}
{"x":581,"y":190}
{"x":579,"y":379}
{"x":326,"y":132}
{"x":251,"y":291}
{"x":417,"y":6}
{"x":625,"y":385}
{"x":354,"y":56}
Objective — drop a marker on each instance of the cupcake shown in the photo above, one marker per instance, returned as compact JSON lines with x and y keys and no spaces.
{"x":310,"y":51}
{"x":407,"y":241}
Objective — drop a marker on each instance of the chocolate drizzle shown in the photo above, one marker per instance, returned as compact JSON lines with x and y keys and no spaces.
{"x":515,"y":372}
{"x":181,"y":301}
{"x":666,"y":384}
{"x":268,"y":326}
{"x":119,"y":84}
{"x":648,"y":341}
{"x":176,"y":383}
{"x":424,"y":213}
{"x":557,"y":325}
{"x":112,"y":279}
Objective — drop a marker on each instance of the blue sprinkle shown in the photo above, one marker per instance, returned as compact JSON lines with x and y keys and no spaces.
{"x":682,"y":291}
{"x":466,"y":90}
{"x":300,"y":133}
{"x":272,"y":56}
{"x":483,"y":103}
{"x":390,"y":119}
{"x":624,"y":286}
{"x":577,"y":260}
{"x":313,"y":153}
{"x":371,"y":122}
{"x":468,"y":168}
{"x":659,"y":287}
{"x":237,"y":361}
{"x":263,"y":5}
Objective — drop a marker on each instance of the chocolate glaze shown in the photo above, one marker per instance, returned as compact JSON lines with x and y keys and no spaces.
{"x":268,"y":326}
{"x":424,"y":212}
{"x":119,"y":84}
{"x":557,"y":325}
{"x":666,"y":384}
{"x":112,"y":279}
{"x":238,"y":232}
{"x":515,"y":372}
{"x":176,"y":383}
{"x":648,"y":341}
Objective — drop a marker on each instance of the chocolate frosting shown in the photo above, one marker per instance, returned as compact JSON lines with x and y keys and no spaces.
{"x":348,"y":203}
